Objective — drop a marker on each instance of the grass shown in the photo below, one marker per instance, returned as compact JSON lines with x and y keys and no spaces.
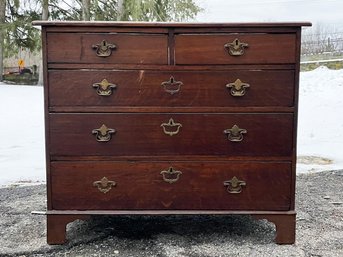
{"x":331,"y":65}
{"x":334,"y":65}
{"x":22,"y":79}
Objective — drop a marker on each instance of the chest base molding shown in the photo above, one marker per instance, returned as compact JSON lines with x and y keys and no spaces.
{"x":57,"y":221}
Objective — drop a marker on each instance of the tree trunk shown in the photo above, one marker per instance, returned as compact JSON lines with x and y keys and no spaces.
{"x":120,"y":9}
{"x":45,"y":10}
{"x":86,"y":10}
{"x":2,"y":24}
{"x":45,"y":16}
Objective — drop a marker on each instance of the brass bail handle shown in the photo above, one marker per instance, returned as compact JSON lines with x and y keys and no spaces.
{"x":103,"y":134}
{"x":172,"y":86}
{"x":236,"y":47}
{"x":171,"y":175}
{"x":235,"y":134}
{"x":104,"y":49}
{"x":171,"y":127}
{"x":104,"y":88}
{"x":237,"y":88}
{"x":104,"y":185}
{"x":234,"y":185}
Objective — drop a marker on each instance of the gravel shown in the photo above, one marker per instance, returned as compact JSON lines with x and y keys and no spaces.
{"x":319,"y":204}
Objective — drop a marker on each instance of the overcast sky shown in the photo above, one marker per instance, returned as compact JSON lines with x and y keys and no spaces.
{"x":315,"y":11}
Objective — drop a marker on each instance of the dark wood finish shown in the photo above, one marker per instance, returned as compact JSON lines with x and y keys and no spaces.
{"x":56,"y":226}
{"x":200,"y":134}
{"x":161,"y":109}
{"x":113,"y":66}
{"x":146,"y":55}
{"x":209,"y":30}
{"x":111,"y":24}
{"x":172,"y":158}
{"x":199,"y":89}
{"x":167,"y":212}
{"x":171,"y":47}
{"x":141,"y":186}
{"x":296,"y":99}
{"x":177,"y":30}
{"x":130,"y":48}
{"x":58,"y":220}
{"x":46,"y":116}
{"x":105,"y":29}
{"x":209,"y":49}
{"x":285,"y":226}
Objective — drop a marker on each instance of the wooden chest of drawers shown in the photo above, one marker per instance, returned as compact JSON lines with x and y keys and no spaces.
{"x":171,"y":118}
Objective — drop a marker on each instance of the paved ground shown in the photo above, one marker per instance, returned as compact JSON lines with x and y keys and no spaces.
{"x":319,"y":228}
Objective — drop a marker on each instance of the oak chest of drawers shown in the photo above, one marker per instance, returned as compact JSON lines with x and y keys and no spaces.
{"x":171,"y":118}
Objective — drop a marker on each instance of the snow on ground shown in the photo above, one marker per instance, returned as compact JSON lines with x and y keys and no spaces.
{"x":320,"y":135}
{"x":320,"y":120}
{"x":22,"y":134}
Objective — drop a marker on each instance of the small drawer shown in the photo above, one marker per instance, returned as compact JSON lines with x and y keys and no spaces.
{"x":171,"y":134}
{"x":170,"y":185}
{"x":107,"y":48}
{"x":231,"y":88}
{"x":235,"y":49}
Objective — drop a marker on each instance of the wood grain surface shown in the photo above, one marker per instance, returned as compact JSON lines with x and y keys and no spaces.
{"x":130,"y":48}
{"x":142,"y":88}
{"x":209,"y":49}
{"x":139,"y":185}
{"x":200,"y":134}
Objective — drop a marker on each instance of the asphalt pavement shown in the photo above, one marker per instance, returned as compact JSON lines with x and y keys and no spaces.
{"x":319,"y":206}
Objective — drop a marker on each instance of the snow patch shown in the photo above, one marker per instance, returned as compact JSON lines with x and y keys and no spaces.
{"x":320,"y":123}
{"x":320,"y":120}
{"x":22,"y":147}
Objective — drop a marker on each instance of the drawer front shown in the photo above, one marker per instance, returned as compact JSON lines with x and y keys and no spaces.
{"x":122,"y":48}
{"x":173,"y":88}
{"x":189,"y":185}
{"x":171,"y":134}
{"x":260,"y":49}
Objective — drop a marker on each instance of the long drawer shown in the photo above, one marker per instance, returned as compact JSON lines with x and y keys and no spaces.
{"x":125,"y":134}
{"x":238,"y":88}
{"x":170,"y":185}
{"x":114,"y":48}
{"x":236,"y":48}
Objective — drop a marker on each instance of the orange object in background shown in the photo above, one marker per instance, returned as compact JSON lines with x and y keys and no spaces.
{"x":21,"y":64}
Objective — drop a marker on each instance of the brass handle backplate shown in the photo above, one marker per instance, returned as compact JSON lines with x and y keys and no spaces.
{"x":172,"y":86}
{"x":104,"y":49}
{"x":237,"y":88}
{"x":104,"y":185}
{"x":235,"y":134}
{"x":234,"y":185}
{"x":235,"y":48}
{"x":171,"y":127}
{"x":171,"y":175}
{"x":104,"y":88}
{"x":103,"y":134}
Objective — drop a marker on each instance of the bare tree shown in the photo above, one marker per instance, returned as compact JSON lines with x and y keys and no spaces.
{"x":120,"y":9}
{"x":86,"y":10}
{"x":45,"y":10}
{"x":2,"y":24}
{"x":322,"y":39}
{"x":45,"y":16}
